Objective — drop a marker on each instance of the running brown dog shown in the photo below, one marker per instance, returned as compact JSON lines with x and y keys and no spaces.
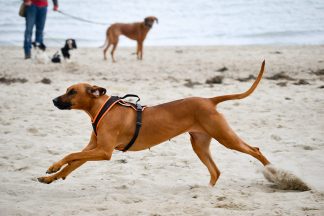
{"x":135,"y":31}
{"x":195,"y":115}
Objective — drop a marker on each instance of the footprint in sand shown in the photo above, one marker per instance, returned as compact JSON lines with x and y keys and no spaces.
{"x":232,"y":206}
{"x":32,"y":131}
{"x":276,"y":137}
{"x":35,"y":132}
{"x":22,"y":168}
{"x":52,"y":152}
{"x":308,"y":148}
{"x":132,"y":200}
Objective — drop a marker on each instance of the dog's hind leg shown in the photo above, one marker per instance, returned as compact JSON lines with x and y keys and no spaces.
{"x":200,"y":144}
{"x":253,"y":151}
{"x":217,"y":127}
{"x":113,"y":51}
{"x":138,"y":50}
{"x":105,"y":50}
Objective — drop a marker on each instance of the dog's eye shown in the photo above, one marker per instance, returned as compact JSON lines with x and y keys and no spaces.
{"x":71,"y":92}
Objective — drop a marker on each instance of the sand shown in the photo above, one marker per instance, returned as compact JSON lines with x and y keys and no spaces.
{"x":284,"y":117}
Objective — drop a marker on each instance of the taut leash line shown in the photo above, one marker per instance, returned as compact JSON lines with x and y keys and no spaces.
{"x":82,"y":19}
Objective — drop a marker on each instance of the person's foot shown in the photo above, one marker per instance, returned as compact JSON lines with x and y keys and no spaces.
{"x":42,"y":46}
{"x":27,"y":56}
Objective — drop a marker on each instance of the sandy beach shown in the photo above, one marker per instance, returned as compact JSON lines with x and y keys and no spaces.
{"x":284,"y":117}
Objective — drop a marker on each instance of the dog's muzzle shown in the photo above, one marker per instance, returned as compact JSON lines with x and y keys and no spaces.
{"x":149,"y":25}
{"x":60,"y":104}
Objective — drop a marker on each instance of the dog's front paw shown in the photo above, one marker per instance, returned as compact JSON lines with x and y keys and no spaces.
{"x":45,"y":179}
{"x":54,"y":168}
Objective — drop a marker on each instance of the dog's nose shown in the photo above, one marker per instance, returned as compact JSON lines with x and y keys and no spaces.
{"x":55,"y":100}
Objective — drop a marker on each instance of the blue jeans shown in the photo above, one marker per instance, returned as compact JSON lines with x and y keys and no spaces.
{"x":34,"y":16}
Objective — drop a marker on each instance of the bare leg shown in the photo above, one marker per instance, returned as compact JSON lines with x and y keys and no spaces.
{"x":200,"y":144}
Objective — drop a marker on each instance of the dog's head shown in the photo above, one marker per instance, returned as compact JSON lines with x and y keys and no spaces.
{"x":149,"y":21}
{"x":70,"y":44}
{"x":79,"y":96}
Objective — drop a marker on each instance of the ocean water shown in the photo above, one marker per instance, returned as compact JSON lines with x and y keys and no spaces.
{"x":181,"y":22}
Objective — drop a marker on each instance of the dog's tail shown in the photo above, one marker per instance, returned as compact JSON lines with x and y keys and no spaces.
{"x":105,"y":44}
{"x":222,"y":98}
{"x":106,"y":41}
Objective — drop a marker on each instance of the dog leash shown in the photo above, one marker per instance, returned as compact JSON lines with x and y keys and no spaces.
{"x":55,"y":40}
{"x":82,"y":19}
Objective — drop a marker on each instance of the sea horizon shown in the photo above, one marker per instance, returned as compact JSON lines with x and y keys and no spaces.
{"x":181,"y":23}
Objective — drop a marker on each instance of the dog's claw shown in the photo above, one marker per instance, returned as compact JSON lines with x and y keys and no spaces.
{"x":53,"y":169}
{"x":49,"y":172}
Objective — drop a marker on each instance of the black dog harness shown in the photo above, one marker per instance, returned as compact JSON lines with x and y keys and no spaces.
{"x":109,"y":104}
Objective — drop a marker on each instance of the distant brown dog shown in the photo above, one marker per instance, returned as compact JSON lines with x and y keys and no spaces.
{"x":135,"y":31}
{"x":195,"y":115}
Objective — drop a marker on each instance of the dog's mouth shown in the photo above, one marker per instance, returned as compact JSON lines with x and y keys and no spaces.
{"x":62,"y":105}
{"x":149,"y":25}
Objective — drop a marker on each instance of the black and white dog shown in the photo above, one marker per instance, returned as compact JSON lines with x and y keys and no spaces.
{"x":70,"y":44}
{"x":41,"y":57}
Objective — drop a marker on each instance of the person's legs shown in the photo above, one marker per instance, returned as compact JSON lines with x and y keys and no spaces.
{"x":40,"y":23}
{"x":30,"y":22}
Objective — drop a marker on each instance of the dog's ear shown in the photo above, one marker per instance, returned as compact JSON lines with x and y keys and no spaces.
{"x":146,"y":20}
{"x":156,"y":20}
{"x":96,"y":91}
{"x":74,"y":44}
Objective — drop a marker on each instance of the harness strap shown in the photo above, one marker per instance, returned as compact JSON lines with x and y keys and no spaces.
{"x":132,"y":95}
{"x":110,"y":102}
{"x":139,"y":111}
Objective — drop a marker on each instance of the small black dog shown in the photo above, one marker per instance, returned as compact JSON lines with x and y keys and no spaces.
{"x":70,"y":44}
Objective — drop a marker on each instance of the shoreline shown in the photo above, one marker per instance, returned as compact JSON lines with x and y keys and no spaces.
{"x":189,"y":46}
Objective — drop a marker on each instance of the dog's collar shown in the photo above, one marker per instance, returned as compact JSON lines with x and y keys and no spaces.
{"x":110,"y":102}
